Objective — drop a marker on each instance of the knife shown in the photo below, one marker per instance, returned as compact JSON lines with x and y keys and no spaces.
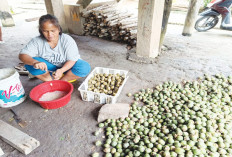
{"x":18,"y":120}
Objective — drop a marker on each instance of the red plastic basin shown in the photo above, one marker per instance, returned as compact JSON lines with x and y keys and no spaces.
{"x":51,"y":86}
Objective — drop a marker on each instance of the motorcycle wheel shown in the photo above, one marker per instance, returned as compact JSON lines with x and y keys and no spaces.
{"x":205,"y":23}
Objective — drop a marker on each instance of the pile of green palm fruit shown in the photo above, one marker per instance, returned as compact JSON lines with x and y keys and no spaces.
{"x":188,"y":119}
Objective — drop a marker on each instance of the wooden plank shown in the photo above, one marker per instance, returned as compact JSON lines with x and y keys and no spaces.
{"x":149,"y":27}
{"x":18,"y":139}
{"x":1,"y":152}
{"x":32,"y":19}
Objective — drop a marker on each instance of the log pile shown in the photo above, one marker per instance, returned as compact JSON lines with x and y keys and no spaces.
{"x":110,"y":23}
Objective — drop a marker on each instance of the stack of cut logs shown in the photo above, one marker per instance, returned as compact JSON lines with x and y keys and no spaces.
{"x":110,"y":23}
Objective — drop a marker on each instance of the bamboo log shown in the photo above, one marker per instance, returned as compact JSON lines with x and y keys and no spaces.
{"x":133,"y":31}
{"x":119,"y":17}
{"x":110,"y":9}
{"x":109,"y":23}
{"x":129,"y":26}
{"x":128,"y":22}
{"x":110,"y":14}
{"x":131,"y":18}
{"x":95,"y":10}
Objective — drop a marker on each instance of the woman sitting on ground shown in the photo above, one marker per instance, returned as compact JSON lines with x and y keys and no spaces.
{"x":53,"y":53}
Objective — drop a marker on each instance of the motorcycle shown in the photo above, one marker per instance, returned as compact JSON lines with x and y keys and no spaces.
{"x":209,"y":18}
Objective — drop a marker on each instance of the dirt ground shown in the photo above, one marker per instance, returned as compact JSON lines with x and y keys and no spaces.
{"x":68,"y":131}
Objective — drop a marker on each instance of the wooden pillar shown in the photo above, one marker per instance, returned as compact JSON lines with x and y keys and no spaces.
{"x":5,"y":16}
{"x":84,"y":3}
{"x":167,"y":11}
{"x":194,"y":6}
{"x":56,"y":8}
{"x":149,"y":27}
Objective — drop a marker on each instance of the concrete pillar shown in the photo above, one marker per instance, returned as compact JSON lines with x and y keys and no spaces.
{"x":56,"y":8}
{"x":73,"y":18}
{"x":149,"y":27}
{"x":5,"y":16}
{"x":194,"y":6}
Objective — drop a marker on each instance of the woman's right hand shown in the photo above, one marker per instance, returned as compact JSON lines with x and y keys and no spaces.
{"x":40,"y":65}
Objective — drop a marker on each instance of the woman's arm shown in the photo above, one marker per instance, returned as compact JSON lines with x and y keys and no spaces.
{"x":67,"y":66}
{"x":26,"y":59}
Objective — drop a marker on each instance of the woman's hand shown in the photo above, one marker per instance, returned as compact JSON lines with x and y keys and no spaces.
{"x":58,"y":74}
{"x":40,"y":65}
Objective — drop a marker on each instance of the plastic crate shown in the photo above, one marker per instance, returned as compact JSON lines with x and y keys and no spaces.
{"x":101,"y":98}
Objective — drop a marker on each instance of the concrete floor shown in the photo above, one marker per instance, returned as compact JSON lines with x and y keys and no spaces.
{"x":68,"y":131}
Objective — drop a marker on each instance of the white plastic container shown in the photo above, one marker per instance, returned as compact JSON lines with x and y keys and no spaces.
{"x":11,"y":90}
{"x":101,"y":98}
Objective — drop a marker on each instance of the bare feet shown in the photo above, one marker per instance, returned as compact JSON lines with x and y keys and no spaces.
{"x":45,"y":77}
{"x":69,"y":76}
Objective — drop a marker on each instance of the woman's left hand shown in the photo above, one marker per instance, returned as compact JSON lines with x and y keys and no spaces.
{"x":58,"y":74}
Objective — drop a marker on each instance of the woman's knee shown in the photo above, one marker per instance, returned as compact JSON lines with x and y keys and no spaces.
{"x":81,"y":68}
